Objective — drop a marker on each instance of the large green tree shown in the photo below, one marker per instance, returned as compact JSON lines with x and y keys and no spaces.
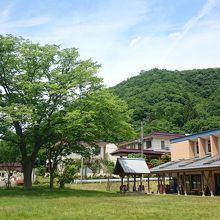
{"x":43,"y":89}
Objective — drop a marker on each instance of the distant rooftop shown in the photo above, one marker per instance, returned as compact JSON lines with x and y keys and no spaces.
{"x":125,"y":151}
{"x":11,"y":166}
{"x":153,"y":135}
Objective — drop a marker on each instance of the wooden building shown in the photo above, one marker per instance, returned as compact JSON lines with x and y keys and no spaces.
{"x":195,"y":165}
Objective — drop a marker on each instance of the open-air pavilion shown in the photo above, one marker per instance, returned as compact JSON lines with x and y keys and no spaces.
{"x":131,"y":168}
{"x":199,"y":176}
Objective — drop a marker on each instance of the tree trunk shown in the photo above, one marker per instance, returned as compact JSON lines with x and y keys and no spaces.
{"x":51,"y":180}
{"x":8,"y":184}
{"x":27,"y":169}
{"x":62,"y":183}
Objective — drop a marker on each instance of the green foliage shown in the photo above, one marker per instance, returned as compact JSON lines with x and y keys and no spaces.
{"x":8,"y":153}
{"x":100,"y":116}
{"x":108,"y":166}
{"x":165,"y":158}
{"x":95,"y":165}
{"x":173,"y":101}
{"x":68,"y":174}
{"x":137,"y":155}
{"x":154,"y":162}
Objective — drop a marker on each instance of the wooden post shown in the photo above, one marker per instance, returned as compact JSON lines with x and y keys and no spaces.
{"x":184,"y":183}
{"x":141,"y":183}
{"x":164,"y":184}
{"x":128,"y":182}
{"x":203,"y":185}
{"x":212,"y":184}
{"x":158,"y":184}
{"x":148,"y":183}
{"x":170,"y":175}
{"x":178,"y":183}
{"x":134,"y":187}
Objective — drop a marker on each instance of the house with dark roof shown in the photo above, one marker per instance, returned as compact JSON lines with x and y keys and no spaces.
{"x":155,"y":145}
{"x":194,"y":165}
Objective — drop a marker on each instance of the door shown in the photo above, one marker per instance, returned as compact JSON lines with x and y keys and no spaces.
{"x":217,"y":183}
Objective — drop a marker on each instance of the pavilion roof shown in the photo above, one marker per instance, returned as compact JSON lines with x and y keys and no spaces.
{"x":131,"y":166}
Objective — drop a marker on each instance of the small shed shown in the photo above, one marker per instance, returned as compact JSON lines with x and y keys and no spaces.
{"x":131,"y":167}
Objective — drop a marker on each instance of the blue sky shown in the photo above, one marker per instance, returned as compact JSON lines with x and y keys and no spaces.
{"x":124,"y":36}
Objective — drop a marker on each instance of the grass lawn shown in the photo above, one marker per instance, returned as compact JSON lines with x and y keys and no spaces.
{"x":92,"y":202}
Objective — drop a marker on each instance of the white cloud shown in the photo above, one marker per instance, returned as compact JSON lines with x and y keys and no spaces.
{"x":191,"y":23}
{"x":134,"y":41}
{"x":104,"y":35}
{"x":4,"y":17}
{"x":31,"y":22}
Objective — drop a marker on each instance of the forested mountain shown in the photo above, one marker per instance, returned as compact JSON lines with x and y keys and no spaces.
{"x":173,"y":101}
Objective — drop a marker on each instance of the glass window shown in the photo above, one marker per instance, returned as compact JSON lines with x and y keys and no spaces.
{"x":162,"y":145}
{"x":209,"y":146}
{"x":148,"y":144}
{"x":196,"y":148}
{"x":196,"y":182}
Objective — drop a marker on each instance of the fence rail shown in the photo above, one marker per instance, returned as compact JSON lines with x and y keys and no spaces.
{"x":114,"y":180}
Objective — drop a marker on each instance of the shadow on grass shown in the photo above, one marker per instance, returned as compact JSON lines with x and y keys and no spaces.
{"x":53,"y":193}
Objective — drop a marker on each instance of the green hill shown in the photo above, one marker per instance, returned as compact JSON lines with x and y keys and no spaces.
{"x":173,"y":101}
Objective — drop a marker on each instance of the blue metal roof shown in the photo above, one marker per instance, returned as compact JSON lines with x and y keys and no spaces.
{"x":197,"y":135}
{"x":189,"y":164}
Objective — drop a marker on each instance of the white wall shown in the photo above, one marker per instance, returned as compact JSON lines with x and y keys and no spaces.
{"x":156,"y":144}
{"x":109,"y":149}
{"x":145,"y":145}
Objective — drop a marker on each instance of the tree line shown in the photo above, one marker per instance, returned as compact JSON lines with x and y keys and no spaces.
{"x":173,"y":101}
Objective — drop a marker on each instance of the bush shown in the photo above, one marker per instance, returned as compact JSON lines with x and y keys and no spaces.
{"x":68,"y":175}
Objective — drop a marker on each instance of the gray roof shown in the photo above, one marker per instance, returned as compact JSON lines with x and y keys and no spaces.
{"x":189,"y":164}
{"x":131,"y":166}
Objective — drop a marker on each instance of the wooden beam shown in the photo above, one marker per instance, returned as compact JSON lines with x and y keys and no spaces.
{"x":148,"y":183}
{"x":184,"y":183}
{"x":203,"y":185}
{"x":128,"y":182}
{"x":141,"y":183}
{"x":212,"y":184}
{"x":178,"y":183}
{"x":158,"y":183}
{"x":164,"y":184}
{"x":134,"y":187}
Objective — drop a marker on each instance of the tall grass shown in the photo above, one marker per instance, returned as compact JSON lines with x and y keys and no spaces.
{"x":92,"y":202}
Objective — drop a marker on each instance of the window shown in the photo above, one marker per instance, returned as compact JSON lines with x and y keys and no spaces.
{"x":196,"y":182}
{"x":196,"y":148}
{"x":208,"y":146}
{"x":163,"y":145}
{"x":148,"y":144}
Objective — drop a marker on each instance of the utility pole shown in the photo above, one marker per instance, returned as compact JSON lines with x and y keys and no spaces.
{"x":142,"y":150}
{"x":81,"y":169}
{"x":142,"y":139}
